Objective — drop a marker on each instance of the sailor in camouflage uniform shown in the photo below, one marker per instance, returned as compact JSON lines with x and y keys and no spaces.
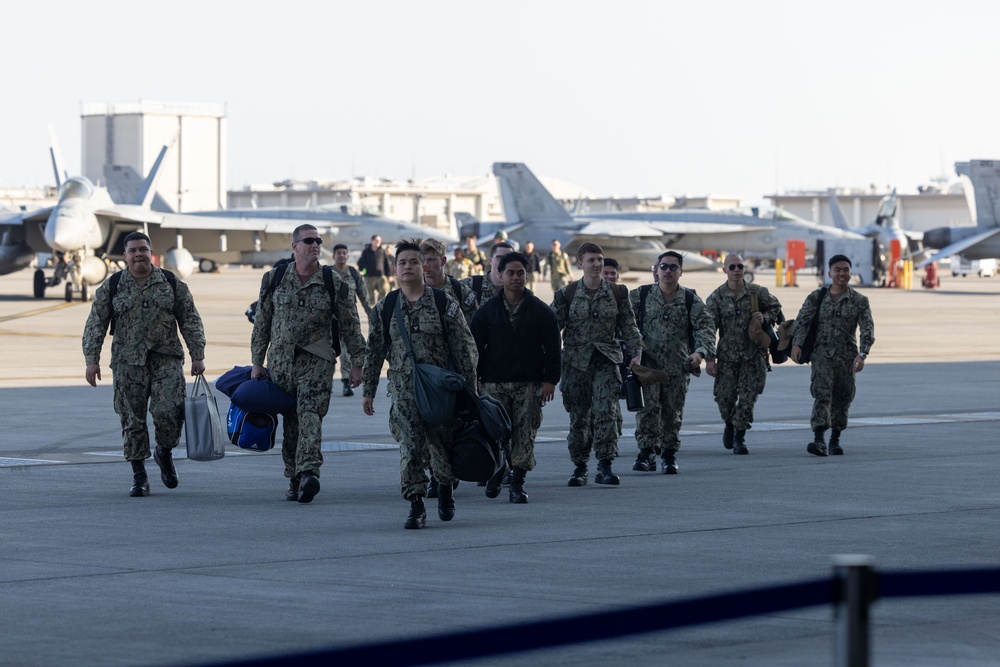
{"x":666,"y":322}
{"x":589,"y":314}
{"x":558,"y":266}
{"x":434,"y":337}
{"x":518,"y":341}
{"x":292,"y":329}
{"x":435,"y":276}
{"x":147,"y":360}
{"x":836,"y":357}
{"x":741,"y":368}
{"x":489,"y":285}
{"x":356,"y":282}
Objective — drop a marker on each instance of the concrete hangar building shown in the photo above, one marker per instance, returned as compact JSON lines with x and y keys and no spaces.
{"x":193,"y":175}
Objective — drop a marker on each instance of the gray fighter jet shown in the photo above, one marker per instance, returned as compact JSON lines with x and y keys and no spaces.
{"x":983,"y":240}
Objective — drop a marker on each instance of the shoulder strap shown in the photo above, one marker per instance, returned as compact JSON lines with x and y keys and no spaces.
{"x":619,"y":291}
{"x":456,"y":288}
{"x":688,"y":302}
{"x":754,"y":303}
{"x":113,"y":290}
{"x":571,"y":292}
{"x":279,"y":273}
{"x":477,"y":287}
{"x":388,"y":306}
{"x":640,"y":319}
{"x":354,"y":274}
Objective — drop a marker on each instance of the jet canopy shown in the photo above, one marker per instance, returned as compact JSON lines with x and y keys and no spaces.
{"x":78,"y":187}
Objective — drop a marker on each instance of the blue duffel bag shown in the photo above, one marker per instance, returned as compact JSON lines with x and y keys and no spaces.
{"x":260,"y":395}
{"x":251,"y":430}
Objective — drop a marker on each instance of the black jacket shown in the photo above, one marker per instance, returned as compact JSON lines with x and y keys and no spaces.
{"x":528,"y":353}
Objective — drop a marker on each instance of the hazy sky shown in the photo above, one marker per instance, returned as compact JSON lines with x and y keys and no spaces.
{"x":619,"y":97}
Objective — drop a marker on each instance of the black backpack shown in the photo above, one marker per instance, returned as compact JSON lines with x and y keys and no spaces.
{"x":279,"y":272}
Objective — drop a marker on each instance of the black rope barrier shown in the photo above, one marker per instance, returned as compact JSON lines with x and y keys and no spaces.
{"x":507,"y":639}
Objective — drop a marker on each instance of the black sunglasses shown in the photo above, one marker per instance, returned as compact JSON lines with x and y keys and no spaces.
{"x":309,"y":240}
{"x":669,"y":267}
{"x":733,"y":267}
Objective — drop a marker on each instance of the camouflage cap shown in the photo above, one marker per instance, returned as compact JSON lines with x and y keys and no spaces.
{"x":434,"y":246}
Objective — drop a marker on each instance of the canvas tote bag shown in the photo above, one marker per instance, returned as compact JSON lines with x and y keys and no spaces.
{"x":204,"y":430}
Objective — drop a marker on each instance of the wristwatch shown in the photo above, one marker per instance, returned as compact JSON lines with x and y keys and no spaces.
{"x":863,"y":355}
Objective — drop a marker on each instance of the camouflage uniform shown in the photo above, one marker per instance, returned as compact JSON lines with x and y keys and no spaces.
{"x":360,"y":291}
{"x":523,"y":402}
{"x":297,"y":316}
{"x":467,"y":300}
{"x":479,"y":260}
{"x":147,"y":360}
{"x":590,"y":378}
{"x":560,"y":269}
{"x":833,"y":355}
{"x":486,"y":291}
{"x":665,"y":333}
{"x":741,"y":363}
{"x":434,"y":338}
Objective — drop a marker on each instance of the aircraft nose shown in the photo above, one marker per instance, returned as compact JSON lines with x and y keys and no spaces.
{"x":63,"y":231}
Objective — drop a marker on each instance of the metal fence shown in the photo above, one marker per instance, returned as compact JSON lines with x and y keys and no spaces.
{"x":854,"y":586}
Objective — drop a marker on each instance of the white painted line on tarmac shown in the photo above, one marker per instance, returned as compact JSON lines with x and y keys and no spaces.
{"x":16,"y":463}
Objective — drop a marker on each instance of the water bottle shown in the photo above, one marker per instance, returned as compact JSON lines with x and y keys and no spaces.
{"x":633,"y":393}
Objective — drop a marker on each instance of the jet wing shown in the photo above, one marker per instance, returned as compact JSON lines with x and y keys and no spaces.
{"x":707,"y":227}
{"x":622,"y":228}
{"x":957,"y":247}
{"x":22,"y":217}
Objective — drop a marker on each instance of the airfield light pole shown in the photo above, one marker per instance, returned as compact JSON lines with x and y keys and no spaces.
{"x":856,"y":587}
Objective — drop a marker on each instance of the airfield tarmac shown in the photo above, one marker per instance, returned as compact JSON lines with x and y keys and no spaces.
{"x":223,"y":568}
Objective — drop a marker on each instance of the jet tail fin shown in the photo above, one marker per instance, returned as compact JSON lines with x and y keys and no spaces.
{"x":147,"y":192}
{"x":57,"y":160}
{"x":984,"y":175}
{"x":838,"y":213}
{"x":124,"y":184}
{"x":525,"y":199}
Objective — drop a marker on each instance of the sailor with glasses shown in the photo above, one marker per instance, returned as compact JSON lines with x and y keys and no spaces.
{"x":740,"y":368}
{"x":678,"y":334}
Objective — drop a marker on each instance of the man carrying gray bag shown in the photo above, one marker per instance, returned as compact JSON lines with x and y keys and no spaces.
{"x":144,"y":306}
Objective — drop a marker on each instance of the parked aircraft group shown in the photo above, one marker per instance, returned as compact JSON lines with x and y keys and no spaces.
{"x":84,"y":231}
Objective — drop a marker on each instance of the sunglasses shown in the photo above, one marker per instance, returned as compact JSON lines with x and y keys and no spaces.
{"x":733,"y":267}
{"x":669,"y":267}
{"x":309,"y":240}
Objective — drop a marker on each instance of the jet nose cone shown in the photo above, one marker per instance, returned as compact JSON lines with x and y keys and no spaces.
{"x":66,"y":229}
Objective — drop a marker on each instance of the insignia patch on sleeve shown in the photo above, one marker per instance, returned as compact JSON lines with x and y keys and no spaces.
{"x":471,"y":299}
{"x":452,"y":310}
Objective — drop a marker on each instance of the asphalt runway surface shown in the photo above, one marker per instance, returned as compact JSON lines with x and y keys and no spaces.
{"x":223,"y":568}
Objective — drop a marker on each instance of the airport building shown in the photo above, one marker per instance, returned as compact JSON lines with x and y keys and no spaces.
{"x":193,"y":176}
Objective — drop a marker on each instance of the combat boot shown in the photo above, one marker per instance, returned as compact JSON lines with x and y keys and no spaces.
{"x":495,"y":483}
{"x":432,"y":487}
{"x":669,"y":459}
{"x":727,"y":436}
{"x":418,"y":515}
{"x":446,"y":502}
{"x":739,"y":442}
{"x":308,"y":487}
{"x":605,"y":475}
{"x":517,"y":494}
{"x":140,"y":482}
{"x":293,"y":490}
{"x":579,"y":477}
{"x":347,"y":388}
{"x":835,"y":448}
{"x":818,"y":445}
{"x":165,"y":460}
{"x":644,"y":461}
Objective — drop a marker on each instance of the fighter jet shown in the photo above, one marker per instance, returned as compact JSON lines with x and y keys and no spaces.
{"x":982,"y":181}
{"x":351,"y":229}
{"x":885,"y":228}
{"x":534,"y":215}
{"x":738,"y":230}
{"x":85,"y":231}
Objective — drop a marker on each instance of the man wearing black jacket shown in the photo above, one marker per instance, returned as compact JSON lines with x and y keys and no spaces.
{"x":519,"y":346}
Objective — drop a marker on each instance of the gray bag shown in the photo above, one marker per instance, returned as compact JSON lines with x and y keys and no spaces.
{"x":434,"y":388}
{"x":204,"y":430}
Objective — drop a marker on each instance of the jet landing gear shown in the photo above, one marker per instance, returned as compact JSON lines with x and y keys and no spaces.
{"x":84,"y":292}
{"x":40,"y":284}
